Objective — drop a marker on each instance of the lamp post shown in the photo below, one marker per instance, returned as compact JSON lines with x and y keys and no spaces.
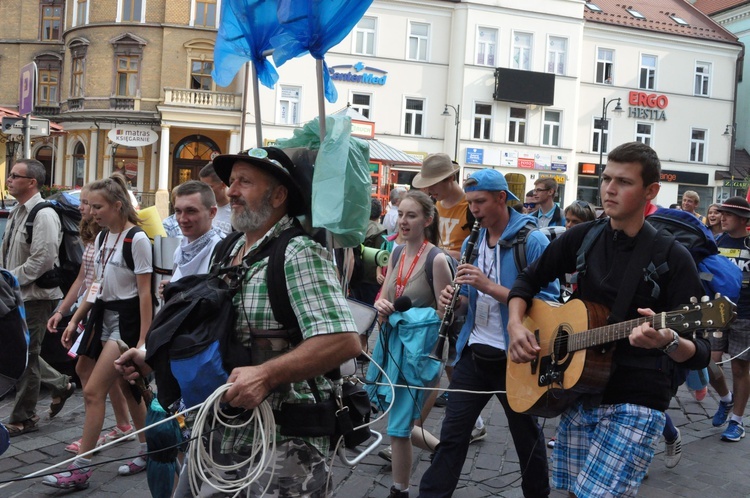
{"x":457,"y":112}
{"x":602,"y":125}
{"x":729,"y":132}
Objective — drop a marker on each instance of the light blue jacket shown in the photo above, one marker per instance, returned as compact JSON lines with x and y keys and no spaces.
{"x":536,"y":243}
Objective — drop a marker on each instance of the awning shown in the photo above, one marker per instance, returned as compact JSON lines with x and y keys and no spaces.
{"x":391,"y":155}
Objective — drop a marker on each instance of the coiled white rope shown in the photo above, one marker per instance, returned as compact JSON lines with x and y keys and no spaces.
{"x":211,"y":419}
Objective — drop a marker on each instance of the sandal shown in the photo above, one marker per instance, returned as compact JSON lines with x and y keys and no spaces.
{"x":74,"y":447}
{"x":28,"y":425}
{"x":133,"y":467}
{"x":55,"y":408}
{"x":72,"y":478}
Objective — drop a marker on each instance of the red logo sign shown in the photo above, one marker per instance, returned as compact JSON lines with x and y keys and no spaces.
{"x":652,"y":100}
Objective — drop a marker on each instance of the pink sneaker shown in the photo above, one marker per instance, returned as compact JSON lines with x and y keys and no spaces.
{"x":73,"y":478}
{"x":700,"y":394}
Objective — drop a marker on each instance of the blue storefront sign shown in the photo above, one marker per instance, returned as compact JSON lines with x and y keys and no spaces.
{"x":474,"y":156}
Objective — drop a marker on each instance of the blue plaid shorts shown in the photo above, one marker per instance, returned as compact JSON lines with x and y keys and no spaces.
{"x":605,"y":451}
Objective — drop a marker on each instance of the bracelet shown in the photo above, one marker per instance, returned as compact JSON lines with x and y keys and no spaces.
{"x":57,"y":311}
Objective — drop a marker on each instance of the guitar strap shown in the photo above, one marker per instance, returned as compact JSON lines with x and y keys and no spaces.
{"x":640,"y":259}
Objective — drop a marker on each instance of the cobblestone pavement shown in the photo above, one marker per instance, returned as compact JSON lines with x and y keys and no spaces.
{"x":709,"y":467}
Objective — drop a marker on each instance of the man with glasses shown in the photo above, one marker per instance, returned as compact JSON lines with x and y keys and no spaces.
{"x":28,"y":262}
{"x":548,"y":212}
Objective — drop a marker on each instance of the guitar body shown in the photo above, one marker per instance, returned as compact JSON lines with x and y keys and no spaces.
{"x":548,"y":385}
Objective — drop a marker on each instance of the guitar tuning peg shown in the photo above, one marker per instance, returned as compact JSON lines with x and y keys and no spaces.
{"x":693,"y":300}
{"x":705,"y":299}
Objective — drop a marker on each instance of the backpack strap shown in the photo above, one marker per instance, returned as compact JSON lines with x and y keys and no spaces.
{"x":32,"y":216}
{"x":127,"y":247}
{"x":518,"y":244}
{"x":278,"y":293}
{"x":223,"y":248}
{"x":594,"y":232}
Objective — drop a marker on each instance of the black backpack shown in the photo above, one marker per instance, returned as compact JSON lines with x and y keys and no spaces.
{"x":70,"y":253}
{"x":14,"y":333}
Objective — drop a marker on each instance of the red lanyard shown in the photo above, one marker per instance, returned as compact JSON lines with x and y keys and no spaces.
{"x":105,"y":259}
{"x":401,"y":283}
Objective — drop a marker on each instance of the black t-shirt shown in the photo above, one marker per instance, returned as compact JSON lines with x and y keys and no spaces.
{"x":736,"y":250}
{"x":606,"y":267}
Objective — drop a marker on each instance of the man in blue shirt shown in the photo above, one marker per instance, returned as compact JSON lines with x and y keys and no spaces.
{"x":548,"y":213}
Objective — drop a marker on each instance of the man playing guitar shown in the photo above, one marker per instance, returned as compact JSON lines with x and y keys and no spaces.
{"x":605,"y":440}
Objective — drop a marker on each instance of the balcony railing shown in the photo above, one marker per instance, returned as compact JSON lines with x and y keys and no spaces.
{"x":47,"y":110}
{"x":203,"y":99}
{"x":124,"y":103}
{"x":75,"y":104}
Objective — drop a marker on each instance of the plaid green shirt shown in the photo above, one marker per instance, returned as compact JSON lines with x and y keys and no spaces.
{"x":318,"y":302}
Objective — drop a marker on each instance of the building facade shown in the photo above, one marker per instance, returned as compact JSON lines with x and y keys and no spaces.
{"x":522,"y":87}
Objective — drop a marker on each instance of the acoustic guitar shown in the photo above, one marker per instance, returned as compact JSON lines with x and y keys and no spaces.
{"x":571,"y":364}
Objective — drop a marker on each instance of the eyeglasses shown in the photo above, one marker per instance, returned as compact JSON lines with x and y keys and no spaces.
{"x":537,"y":190}
{"x":14,"y":176}
{"x":529,"y":205}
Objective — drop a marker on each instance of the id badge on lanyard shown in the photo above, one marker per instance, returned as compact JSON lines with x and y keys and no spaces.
{"x":94,"y":291}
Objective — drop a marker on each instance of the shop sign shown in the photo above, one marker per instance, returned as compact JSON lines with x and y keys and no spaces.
{"x":542,"y":161}
{"x":526,"y":162}
{"x":647,"y":106}
{"x":474,"y":156}
{"x":363,"y":129}
{"x":560,"y":179}
{"x":736,"y":183}
{"x":668,"y":176}
{"x":358,"y":73}
{"x":133,"y":136}
{"x":509,"y":158}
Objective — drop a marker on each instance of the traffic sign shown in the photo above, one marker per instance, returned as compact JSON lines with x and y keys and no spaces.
{"x":14,"y":126}
{"x":27,"y":89}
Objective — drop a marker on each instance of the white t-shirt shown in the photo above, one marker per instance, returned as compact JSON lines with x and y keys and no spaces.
{"x":118,"y":282}
{"x":223,"y":219}
{"x":488,"y":323}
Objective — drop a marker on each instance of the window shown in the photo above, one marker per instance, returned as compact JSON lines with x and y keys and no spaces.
{"x":361,"y":103}
{"x":125,"y":162}
{"x":364,"y":36}
{"x":131,"y":10}
{"x":205,"y":13}
{"x":605,"y":65}
{"x":522,"y":51}
{"x":697,"y":146}
{"x":486,"y":46}
{"x":47,"y":88}
{"x":419,"y":36}
{"x":79,"y":164}
{"x":593,"y":7}
{"x":600,"y":137}
{"x":200,"y":75}
{"x":643,"y":133}
{"x":647,"y":79}
{"x":127,"y":76}
{"x":702,"y":78}
{"x":517,"y":125}
{"x":289,"y":105}
{"x":51,"y":18}
{"x":76,"y":78}
{"x":679,"y":20}
{"x":551,"y":128}
{"x":557,"y":55}
{"x":413,"y":116}
{"x":482,"y":121}
{"x":80,"y":12}
{"x":635,"y":14}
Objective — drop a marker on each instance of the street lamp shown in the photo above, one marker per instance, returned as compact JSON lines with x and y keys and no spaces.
{"x":729,"y":132}
{"x":602,"y":125}
{"x":457,"y":112}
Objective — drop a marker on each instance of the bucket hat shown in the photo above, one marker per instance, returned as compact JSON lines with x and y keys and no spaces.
{"x":736,"y":205}
{"x":435,"y":168}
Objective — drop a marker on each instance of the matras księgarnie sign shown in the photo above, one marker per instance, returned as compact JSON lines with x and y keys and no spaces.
{"x":133,"y":136}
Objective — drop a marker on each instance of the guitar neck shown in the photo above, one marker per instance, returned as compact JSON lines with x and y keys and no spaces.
{"x":610,"y":333}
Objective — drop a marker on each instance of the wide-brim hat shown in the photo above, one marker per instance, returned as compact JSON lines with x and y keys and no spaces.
{"x":435,"y":168}
{"x":273,"y":161}
{"x":736,"y":205}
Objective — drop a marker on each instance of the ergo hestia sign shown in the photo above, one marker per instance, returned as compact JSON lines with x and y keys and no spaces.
{"x":133,"y":136}
{"x":647,"y":106}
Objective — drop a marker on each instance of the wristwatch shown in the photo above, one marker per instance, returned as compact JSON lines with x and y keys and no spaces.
{"x":673,"y":345}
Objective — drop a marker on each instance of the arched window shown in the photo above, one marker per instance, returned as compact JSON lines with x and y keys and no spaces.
{"x":190,"y":155}
{"x":79,"y":164}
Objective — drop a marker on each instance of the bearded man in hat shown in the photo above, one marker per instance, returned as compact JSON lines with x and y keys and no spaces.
{"x":439,"y":179}
{"x":735,"y":213}
{"x":265,"y":198}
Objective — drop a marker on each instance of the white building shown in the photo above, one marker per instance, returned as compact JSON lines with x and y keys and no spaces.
{"x":527,"y":80}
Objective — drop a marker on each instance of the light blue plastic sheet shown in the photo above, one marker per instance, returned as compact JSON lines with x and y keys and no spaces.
{"x":290,"y":27}
{"x":245,"y":32}
{"x":341,"y":179}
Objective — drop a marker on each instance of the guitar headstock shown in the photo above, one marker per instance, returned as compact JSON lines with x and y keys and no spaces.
{"x":706,"y":314}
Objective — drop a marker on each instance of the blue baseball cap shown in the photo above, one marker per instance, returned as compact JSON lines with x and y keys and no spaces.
{"x":490,"y":180}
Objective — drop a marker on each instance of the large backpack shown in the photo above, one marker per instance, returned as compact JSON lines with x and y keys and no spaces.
{"x":14,"y":333}
{"x":70,"y":253}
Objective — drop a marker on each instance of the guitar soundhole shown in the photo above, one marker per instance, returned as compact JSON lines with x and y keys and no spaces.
{"x":553,"y":367}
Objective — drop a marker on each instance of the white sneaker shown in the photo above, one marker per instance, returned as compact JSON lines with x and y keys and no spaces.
{"x":673,"y":451}
{"x":478,"y":434}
